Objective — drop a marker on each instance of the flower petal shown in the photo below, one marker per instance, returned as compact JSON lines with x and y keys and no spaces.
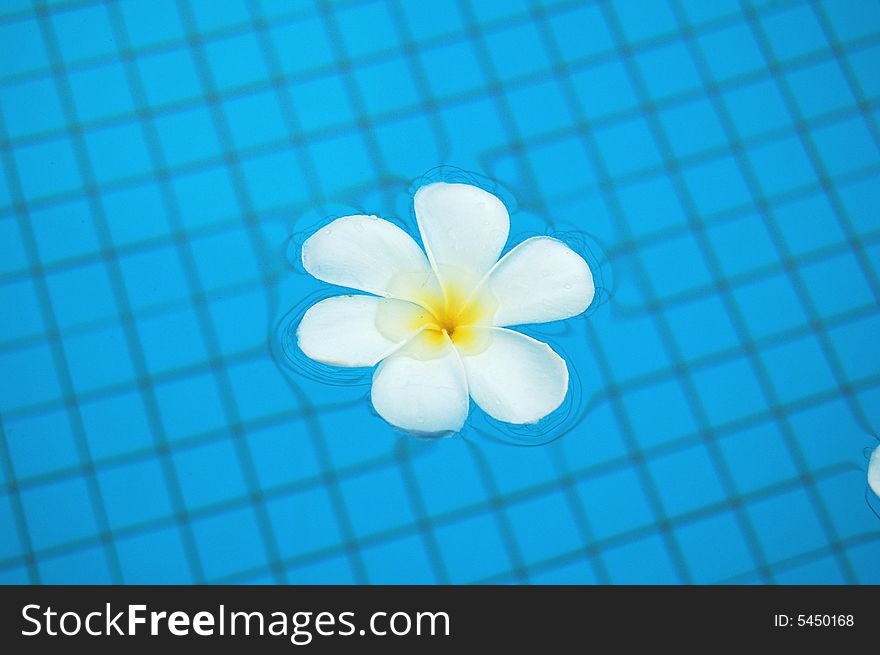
{"x":874,"y":471}
{"x":422,"y":388}
{"x":356,"y":330}
{"x":540,"y":280}
{"x":372,"y":255}
{"x":464,"y":229}
{"x":515,"y":378}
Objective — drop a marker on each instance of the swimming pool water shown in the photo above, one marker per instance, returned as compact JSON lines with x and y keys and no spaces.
{"x":160,"y":158}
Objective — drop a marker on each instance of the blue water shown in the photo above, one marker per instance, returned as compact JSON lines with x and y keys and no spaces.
{"x":717,"y":162}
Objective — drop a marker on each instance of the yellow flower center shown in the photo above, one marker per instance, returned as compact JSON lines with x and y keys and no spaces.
{"x":456,"y":316}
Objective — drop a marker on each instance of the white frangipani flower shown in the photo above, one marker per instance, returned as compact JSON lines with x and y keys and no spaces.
{"x":874,"y":471}
{"x":437,"y":326}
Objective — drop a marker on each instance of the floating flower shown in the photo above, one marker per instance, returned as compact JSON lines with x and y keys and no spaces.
{"x":437,"y":326}
{"x":874,"y":471}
